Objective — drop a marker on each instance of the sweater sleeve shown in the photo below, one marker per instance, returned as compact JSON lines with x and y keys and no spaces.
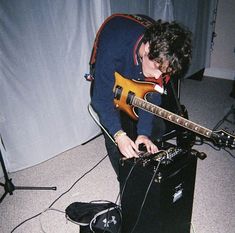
{"x":107,"y":61}
{"x":115,"y":53}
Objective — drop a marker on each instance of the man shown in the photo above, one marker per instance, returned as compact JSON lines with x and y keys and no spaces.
{"x":138,"y":48}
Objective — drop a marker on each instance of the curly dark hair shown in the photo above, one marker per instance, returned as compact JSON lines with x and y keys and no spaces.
{"x":171,"y":42}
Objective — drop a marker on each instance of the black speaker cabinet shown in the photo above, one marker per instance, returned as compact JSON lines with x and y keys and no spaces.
{"x":161,"y":196}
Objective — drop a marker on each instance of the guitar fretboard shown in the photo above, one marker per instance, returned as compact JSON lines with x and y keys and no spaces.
{"x":169,"y":116}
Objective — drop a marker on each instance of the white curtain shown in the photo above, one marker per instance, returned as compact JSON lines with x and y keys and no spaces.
{"x":44,"y":53}
{"x":45,"y":47}
{"x":157,"y":9}
{"x":197,"y":15}
{"x":161,"y":9}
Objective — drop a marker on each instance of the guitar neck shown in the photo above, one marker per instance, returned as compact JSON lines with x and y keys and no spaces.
{"x":169,"y":116}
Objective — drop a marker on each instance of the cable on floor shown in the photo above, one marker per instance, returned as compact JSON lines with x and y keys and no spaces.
{"x":99,"y":162}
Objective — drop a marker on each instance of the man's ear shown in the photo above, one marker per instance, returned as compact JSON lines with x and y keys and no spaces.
{"x":146,"y":48}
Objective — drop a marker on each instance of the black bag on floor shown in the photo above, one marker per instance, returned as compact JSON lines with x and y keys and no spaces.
{"x":96,"y":216}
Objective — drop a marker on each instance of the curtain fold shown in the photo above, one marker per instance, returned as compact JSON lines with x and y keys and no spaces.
{"x":161,"y":9}
{"x":45,"y":49}
{"x":197,"y":15}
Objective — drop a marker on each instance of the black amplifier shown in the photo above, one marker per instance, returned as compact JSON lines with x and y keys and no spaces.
{"x":157,"y":191}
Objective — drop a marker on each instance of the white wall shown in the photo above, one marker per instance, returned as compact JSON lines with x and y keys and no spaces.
{"x":223,"y":54}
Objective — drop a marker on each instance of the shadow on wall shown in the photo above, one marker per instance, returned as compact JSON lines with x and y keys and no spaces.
{"x":232,"y":94}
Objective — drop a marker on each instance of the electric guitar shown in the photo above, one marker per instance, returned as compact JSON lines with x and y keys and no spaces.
{"x":129,"y":94}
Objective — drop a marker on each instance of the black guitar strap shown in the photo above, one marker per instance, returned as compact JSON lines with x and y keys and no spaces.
{"x":177,"y":101}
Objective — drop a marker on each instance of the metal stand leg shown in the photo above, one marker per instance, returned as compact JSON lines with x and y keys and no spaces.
{"x":231,"y":112}
{"x":9,"y":187}
{"x":226,"y":118}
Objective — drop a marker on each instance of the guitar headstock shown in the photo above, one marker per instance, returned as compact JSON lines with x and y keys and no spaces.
{"x":221,"y":138}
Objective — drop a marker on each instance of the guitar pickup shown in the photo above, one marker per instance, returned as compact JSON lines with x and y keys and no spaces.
{"x":118,"y":92}
{"x":130,"y":97}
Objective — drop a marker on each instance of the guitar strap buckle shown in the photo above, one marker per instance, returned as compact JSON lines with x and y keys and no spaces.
{"x":160,"y":89}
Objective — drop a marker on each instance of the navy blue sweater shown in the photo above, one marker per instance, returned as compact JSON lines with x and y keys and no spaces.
{"x":117,"y":51}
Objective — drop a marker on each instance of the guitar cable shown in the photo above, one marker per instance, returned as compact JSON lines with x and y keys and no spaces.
{"x":86,"y":173}
{"x":233,"y":156}
{"x":96,"y":119}
{"x":127,"y":178}
{"x":68,"y":190}
{"x":201,"y":141}
{"x":145,"y":196}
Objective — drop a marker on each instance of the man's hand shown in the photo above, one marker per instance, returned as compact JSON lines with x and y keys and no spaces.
{"x":150,"y":146}
{"x":127,"y":147}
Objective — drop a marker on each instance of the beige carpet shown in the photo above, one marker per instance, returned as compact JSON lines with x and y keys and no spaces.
{"x":214,"y":203}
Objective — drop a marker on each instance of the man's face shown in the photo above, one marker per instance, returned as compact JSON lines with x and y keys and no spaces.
{"x":152,"y":68}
